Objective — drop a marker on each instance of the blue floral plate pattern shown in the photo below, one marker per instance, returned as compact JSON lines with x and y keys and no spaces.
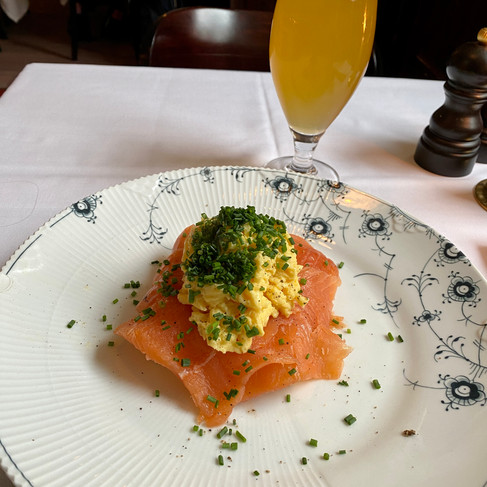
{"x":78,"y":404}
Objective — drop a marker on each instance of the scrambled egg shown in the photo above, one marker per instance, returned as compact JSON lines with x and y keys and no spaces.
{"x":237,"y":275}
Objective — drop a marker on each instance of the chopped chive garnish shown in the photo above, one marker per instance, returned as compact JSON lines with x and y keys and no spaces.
{"x":249,"y":368}
{"x":234,"y":445}
{"x":342,"y":452}
{"x":157,"y":393}
{"x":220,"y":460}
{"x":115,"y":301}
{"x":390,"y":337}
{"x":292,"y":371}
{"x":213,"y":400}
{"x":256,"y":473}
{"x":135,"y":302}
{"x":326,"y":456}
{"x":326,"y":262}
{"x":71,"y":323}
{"x":350,"y":419}
{"x":251,"y":351}
{"x":265,"y":358}
{"x":302,"y":281}
{"x":245,"y":363}
{"x":304,"y":461}
{"x":341,"y":264}
{"x":236,"y":372}
{"x":104,"y":318}
{"x":126,"y":285}
{"x":229,"y":395}
{"x":363,"y":321}
{"x":288,"y":397}
{"x":254,"y":331}
{"x":376,"y":384}
{"x":222,"y":432}
{"x":240,"y":436}
{"x":109,"y":327}
{"x":399,"y":338}
{"x":307,"y":356}
{"x":281,"y":341}
{"x":166,"y":327}
{"x":111,"y":344}
{"x":313,"y":442}
{"x":133,"y":294}
{"x":192,"y":294}
{"x":343,"y":383}
{"x":349,"y":330}
{"x":196,"y":427}
{"x":185,"y":362}
{"x":335,"y":321}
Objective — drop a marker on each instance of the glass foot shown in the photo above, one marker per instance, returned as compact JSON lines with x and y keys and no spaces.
{"x":317,"y":168}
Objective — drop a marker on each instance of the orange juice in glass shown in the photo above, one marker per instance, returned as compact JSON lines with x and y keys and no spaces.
{"x":319,"y":50}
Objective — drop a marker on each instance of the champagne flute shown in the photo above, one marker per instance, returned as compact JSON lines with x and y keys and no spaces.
{"x":318,"y":53}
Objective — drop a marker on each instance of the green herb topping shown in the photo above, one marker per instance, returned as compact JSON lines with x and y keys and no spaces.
{"x":350,"y":419}
{"x":221,"y":255}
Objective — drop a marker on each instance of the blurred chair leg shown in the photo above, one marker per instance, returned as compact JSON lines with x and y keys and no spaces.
{"x":3,"y":30}
{"x":73,"y":27}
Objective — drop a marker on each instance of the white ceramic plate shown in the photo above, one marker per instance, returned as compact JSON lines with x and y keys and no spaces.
{"x":76,"y":411}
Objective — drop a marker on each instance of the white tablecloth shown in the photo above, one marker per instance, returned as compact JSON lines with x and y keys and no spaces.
{"x":67,"y":131}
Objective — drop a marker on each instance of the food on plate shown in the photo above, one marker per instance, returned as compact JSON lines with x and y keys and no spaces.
{"x":240,"y":268}
{"x":226,"y":343}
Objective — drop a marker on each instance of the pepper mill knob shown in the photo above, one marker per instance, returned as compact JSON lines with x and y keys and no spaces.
{"x":450,"y":144}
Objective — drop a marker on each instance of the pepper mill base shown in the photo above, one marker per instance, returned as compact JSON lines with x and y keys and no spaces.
{"x":455,"y":163}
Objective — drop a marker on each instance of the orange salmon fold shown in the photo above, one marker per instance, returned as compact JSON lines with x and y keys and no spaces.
{"x":219,"y":381}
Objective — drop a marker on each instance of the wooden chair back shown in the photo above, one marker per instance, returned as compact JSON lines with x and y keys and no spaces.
{"x":212,"y":38}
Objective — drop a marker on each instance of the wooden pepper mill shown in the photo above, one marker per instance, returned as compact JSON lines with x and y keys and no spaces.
{"x":451,"y":142}
{"x":483,"y":138}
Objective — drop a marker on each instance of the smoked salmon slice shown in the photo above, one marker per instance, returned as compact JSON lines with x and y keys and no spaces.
{"x":298,"y":348}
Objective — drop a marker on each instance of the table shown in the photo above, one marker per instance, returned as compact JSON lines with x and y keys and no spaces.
{"x":67,"y":131}
{"x":70,"y":131}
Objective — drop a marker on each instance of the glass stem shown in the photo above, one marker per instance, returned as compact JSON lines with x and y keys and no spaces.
{"x":304,"y":147}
